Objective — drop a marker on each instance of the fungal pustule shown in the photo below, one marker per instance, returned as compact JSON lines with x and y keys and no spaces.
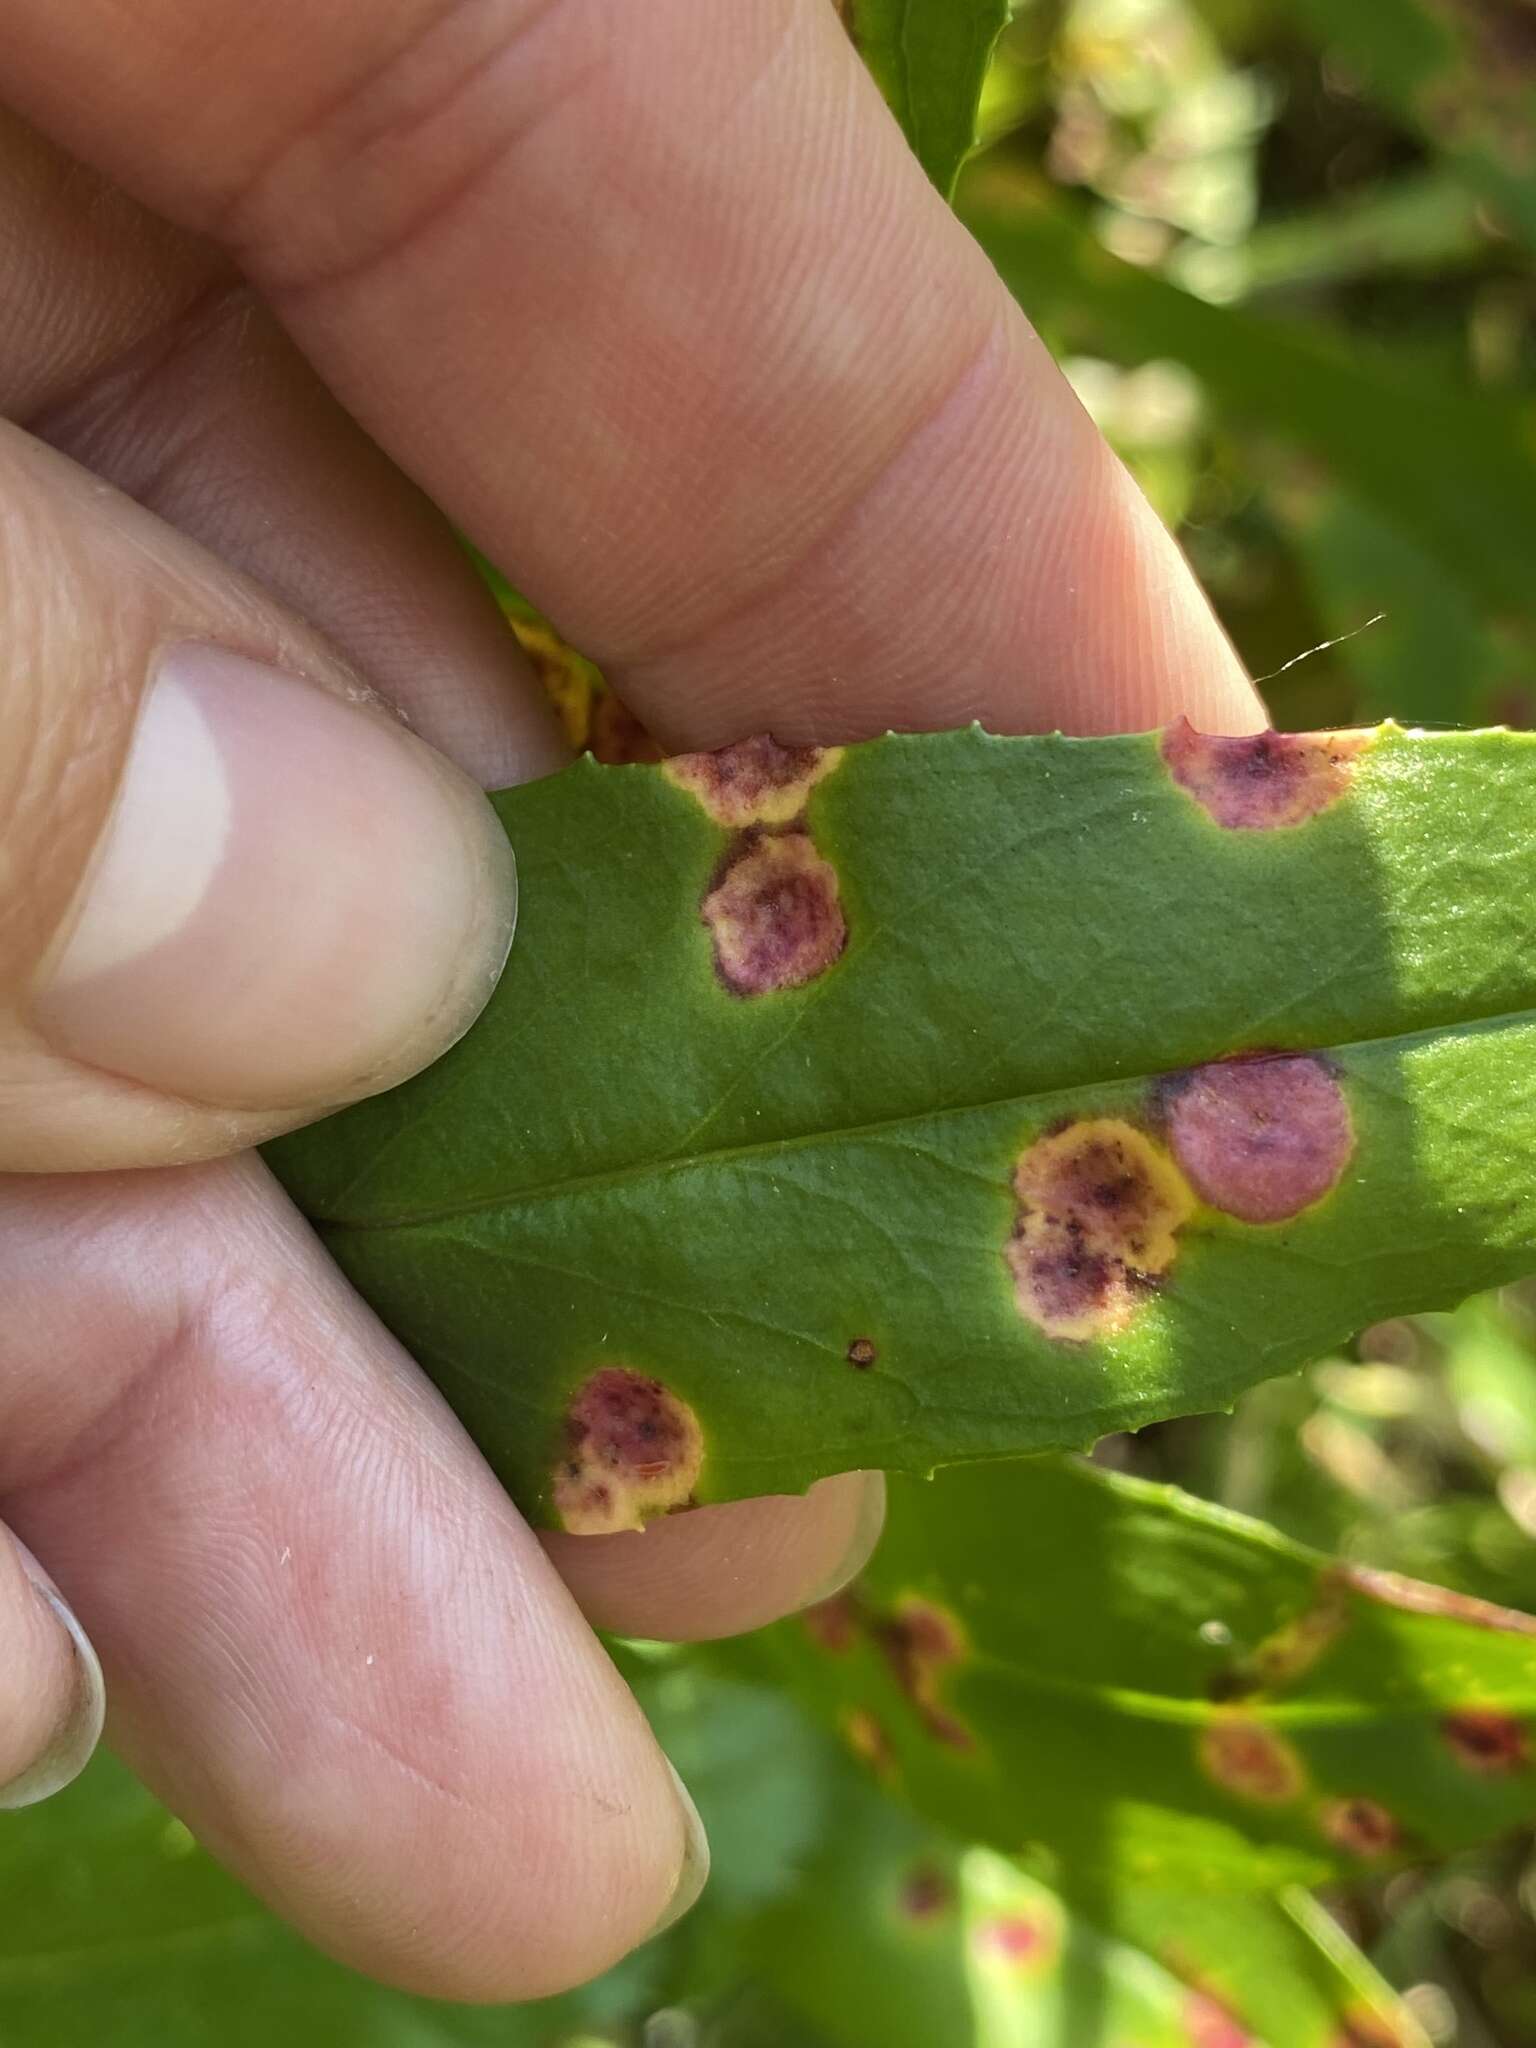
{"x":774,"y":916}
{"x":1100,"y":1208}
{"x":1360,"y":1827}
{"x":1486,"y":1740}
{"x":1249,"y":1760}
{"x":632,"y":1450}
{"x":1260,"y":1137}
{"x":1262,"y":781}
{"x":754,"y":782}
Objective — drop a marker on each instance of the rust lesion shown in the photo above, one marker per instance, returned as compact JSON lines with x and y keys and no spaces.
{"x":925,"y":1894}
{"x":833,"y":1625}
{"x":774,"y":915}
{"x":1263,"y":781}
{"x":1260,"y":1136}
{"x":1487,"y":1740}
{"x":1240,"y":1753}
{"x":923,"y":1643}
{"x":1289,"y":1652}
{"x":1360,"y":1827}
{"x":616,"y":736}
{"x":754,"y":782}
{"x":632,"y":1450}
{"x":1100,"y":1208}
{"x":1026,"y":1943}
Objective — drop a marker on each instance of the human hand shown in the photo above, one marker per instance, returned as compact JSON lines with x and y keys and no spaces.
{"x":669,"y":321}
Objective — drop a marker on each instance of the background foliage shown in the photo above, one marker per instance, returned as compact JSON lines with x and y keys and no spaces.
{"x":1284,"y":249}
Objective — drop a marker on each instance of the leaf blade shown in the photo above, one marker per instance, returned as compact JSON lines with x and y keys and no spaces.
{"x":929,"y":59}
{"x":627,"y":1169}
{"x":1167,"y":1696}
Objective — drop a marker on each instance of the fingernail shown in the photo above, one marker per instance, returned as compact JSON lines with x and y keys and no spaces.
{"x":868,"y":1521}
{"x":691,"y":1878}
{"x":294,"y":901}
{"x":77,"y":1727}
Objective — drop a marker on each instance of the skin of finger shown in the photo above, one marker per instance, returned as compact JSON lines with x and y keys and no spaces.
{"x":134,"y":348}
{"x":37,"y":1668}
{"x":517,"y":393}
{"x":722,"y":1570}
{"x":90,"y":275}
{"x":213,"y":422}
{"x":723,"y":190}
{"x":331,"y":1644}
{"x":91,"y":589}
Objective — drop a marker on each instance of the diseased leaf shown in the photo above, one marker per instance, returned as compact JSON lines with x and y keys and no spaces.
{"x":1166,"y":1696}
{"x":899,"y":1934}
{"x":929,"y":58}
{"x":888,"y":1106}
{"x":826,"y":1904}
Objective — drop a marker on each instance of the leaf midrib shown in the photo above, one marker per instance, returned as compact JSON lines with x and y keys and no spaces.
{"x":645,"y":1169}
{"x":1198,"y":1711}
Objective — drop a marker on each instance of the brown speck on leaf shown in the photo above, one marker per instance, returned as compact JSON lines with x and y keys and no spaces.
{"x":1100,"y":1206}
{"x":755,"y":782}
{"x":1486,"y":1740}
{"x":1249,"y":1760}
{"x":1292,"y":1650}
{"x":1261,"y":1138}
{"x":632,"y":1450}
{"x":922,"y":1642}
{"x":1266,"y":780}
{"x":925,"y":1893}
{"x":833,"y":1624}
{"x":774,"y":916}
{"x":862,"y":1353}
{"x":1360,"y":1827}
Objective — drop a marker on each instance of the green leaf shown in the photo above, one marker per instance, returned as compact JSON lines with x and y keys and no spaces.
{"x":929,"y":58}
{"x":116,"y":1918}
{"x":118,"y":1930}
{"x":660,"y":1241}
{"x":900,"y":1934}
{"x":1464,"y":75}
{"x":1163,"y":1694}
{"x":1434,"y":653}
{"x":1451,"y":469}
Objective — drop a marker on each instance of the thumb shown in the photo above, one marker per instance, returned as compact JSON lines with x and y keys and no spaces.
{"x":234,"y":890}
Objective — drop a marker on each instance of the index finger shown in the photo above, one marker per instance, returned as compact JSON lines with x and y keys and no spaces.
{"x":655,"y":303}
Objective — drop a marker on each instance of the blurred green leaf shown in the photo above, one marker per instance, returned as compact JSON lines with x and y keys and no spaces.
{"x":1423,"y":223}
{"x":900,"y":1935}
{"x":1164,"y":1694}
{"x":119,"y":1932}
{"x":1452,"y":470}
{"x":929,"y":58}
{"x":1433,"y":655}
{"x":1463,"y":72}
{"x":1490,"y":1369}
